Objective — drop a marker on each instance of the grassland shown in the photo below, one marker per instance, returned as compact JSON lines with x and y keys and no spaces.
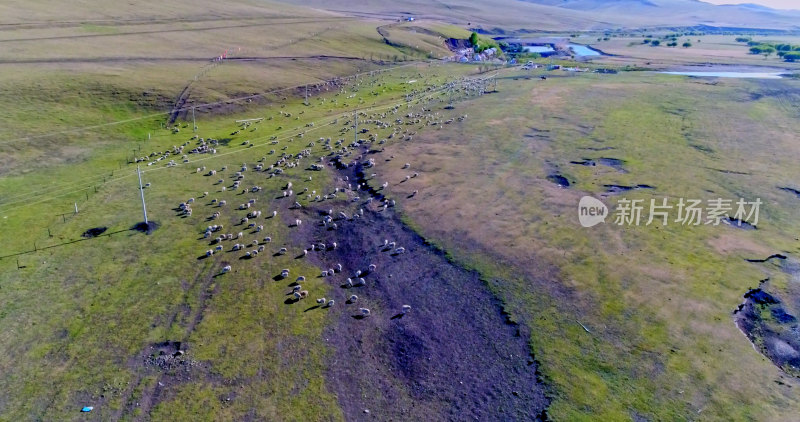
{"x":657,"y":300}
{"x":625,"y":322}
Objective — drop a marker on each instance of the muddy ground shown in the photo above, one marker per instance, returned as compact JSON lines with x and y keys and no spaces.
{"x":454,"y":356}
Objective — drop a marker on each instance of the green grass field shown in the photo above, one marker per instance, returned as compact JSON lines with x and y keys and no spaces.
{"x":626,"y":323}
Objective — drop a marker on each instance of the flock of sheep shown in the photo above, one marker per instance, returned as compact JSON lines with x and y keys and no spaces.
{"x":244,"y":179}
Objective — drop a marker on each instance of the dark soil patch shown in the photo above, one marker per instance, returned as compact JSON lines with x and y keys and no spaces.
{"x":791,"y":190}
{"x":559,"y":180}
{"x":453,"y":356}
{"x":93,"y":232}
{"x":773,"y":256}
{"x":741,"y":224}
{"x":771,"y":329}
{"x":760,"y":297}
{"x":146,"y":228}
{"x":625,"y":188}
{"x":614,"y":163}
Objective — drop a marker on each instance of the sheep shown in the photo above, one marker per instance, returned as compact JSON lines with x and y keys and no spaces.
{"x":247,"y":254}
{"x":361,"y":282}
{"x":364,"y":312}
{"x":255,"y":243}
{"x":358,"y":273}
{"x":305,"y":252}
{"x":334,"y":245}
{"x":240,"y":235}
{"x":303,"y":294}
{"x":415,"y":175}
{"x":353,"y":299}
{"x":282,"y":251}
{"x":254,"y":252}
{"x":321,"y":301}
{"x":261,"y":248}
{"x":218,"y":248}
{"x":331,"y":271}
{"x":298,"y":222}
{"x":372,"y":267}
{"x":325,"y":273}
{"x":406,"y":165}
{"x":209,"y":252}
{"x":226,"y":269}
{"x":339,"y":267}
{"x":259,"y":228}
{"x":330,"y":303}
{"x":297,"y":288}
{"x":297,"y":296}
{"x":190,"y":200}
{"x":237,"y":247}
{"x":349,"y":282}
{"x":406,"y":308}
{"x":222,"y":203}
{"x":300,"y":279}
{"x":284,"y":273}
{"x":400,"y":250}
{"x":267,"y":239}
{"x":274,"y":214}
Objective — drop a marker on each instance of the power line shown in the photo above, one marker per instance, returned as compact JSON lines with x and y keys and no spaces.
{"x":181,"y":109}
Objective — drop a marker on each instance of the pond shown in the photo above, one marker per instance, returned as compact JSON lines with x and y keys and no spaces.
{"x":583,"y":50}
{"x":538,"y":49}
{"x":756,"y":75}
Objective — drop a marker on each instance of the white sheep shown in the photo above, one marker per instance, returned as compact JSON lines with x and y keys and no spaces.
{"x":209,"y":252}
{"x":267,"y":239}
{"x":330,"y":303}
{"x":353,"y":299}
{"x":226,"y":269}
{"x":400,"y":250}
{"x":406,"y":308}
{"x":364,"y":312}
{"x":300,"y":279}
{"x":372,"y":267}
{"x":321,"y":301}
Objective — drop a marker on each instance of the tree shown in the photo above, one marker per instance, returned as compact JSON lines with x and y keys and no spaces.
{"x":646,"y":41}
{"x":473,"y":39}
{"x":672,"y":44}
{"x":792,"y":57}
{"x":687,"y":44}
{"x":742,"y":39}
{"x":655,"y":43}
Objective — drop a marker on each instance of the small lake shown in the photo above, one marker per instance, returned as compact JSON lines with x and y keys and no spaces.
{"x":538,"y":49}
{"x":755,"y":75}
{"x":583,"y":50}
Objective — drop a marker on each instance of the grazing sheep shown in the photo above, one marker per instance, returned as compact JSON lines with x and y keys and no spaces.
{"x":300,"y":279}
{"x":305,"y":252}
{"x":400,"y":250}
{"x":236,"y":247}
{"x":261,"y":248}
{"x":325,"y":273}
{"x":361,"y":282}
{"x":303,"y":294}
{"x":321,"y":301}
{"x":353,"y":299}
{"x":297,"y":296}
{"x":334,"y":245}
{"x":255,"y":243}
{"x":298,"y":222}
{"x":209,"y":252}
{"x":247,"y":254}
{"x":267,"y":239}
{"x":364,"y":312}
{"x":406,"y":308}
{"x":372,"y":267}
{"x":339,"y":267}
{"x":349,"y":282}
{"x":330,"y":303}
{"x":218,"y":248}
{"x":282,"y":251}
{"x":226,"y":269}
{"x":274,"y":214}
{"x":284,"y":273}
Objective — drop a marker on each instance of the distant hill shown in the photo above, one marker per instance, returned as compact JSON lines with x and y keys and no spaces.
{"x":573,"y":14}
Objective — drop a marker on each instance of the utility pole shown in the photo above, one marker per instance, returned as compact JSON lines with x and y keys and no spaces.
{"x":141,"y":190}
{"x":356,"y":126}
{"x":194,"y":122}
{"x":305,"y":102}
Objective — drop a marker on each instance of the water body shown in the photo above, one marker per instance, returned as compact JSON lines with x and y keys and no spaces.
{"x":715,"y":74}
{"x":583,"y":50}
{"x":538,"y":49}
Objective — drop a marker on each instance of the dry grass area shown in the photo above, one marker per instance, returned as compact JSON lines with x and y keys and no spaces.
{"x":657,"y":299}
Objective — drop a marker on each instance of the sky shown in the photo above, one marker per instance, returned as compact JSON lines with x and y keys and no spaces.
{"x":775,"y":4}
